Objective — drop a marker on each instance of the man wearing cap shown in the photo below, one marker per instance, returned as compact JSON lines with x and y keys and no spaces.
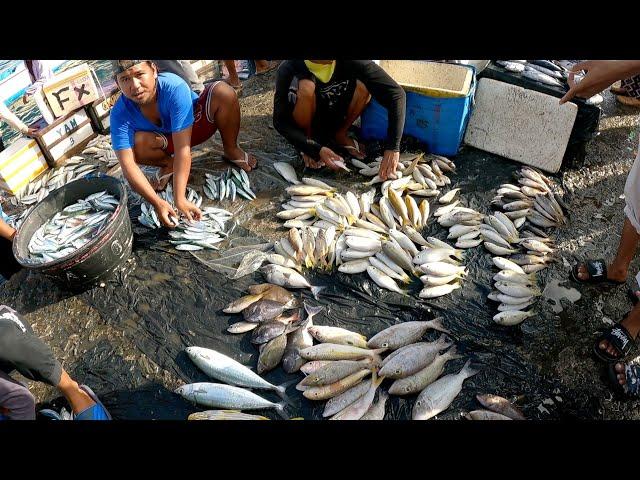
{"x":158,"y":119}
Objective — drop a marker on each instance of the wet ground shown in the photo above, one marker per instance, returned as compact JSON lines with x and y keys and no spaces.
{"x":125,"y":339}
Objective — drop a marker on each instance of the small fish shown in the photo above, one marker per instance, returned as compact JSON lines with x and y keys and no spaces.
{"x":271,"y":353}
{"x":218,"y":395}
{"x":340,"y":336}
{"x":300,"y":339}
{"x":398,"y":336}
{"x":287,"y":172}
{"x":485,"y":415}
{"x":510,"y":318}
{"x":437,"y":396}
{"x":420,"y":380}
{"x":377,"y":410}
{"x":342,"y":401}
{"x":224,"y":415}
{"x":500,"y":405}
{"x":240,"y":304}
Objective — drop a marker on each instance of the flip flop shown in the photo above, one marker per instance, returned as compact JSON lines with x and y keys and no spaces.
{"x":631,"y":388}
{"x":617,"y":336}
{"x":619,"y":91}
{"x":240,"y":161}
{"x":597,"y":270}
{"x":95,"y":412}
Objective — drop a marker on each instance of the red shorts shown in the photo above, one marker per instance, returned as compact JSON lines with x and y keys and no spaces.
{"x":203,"y":127}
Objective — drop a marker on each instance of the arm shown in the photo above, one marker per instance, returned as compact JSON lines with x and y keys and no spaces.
{"x":182,"y":169}
{"x":43,"y":71}
{"x":283,"y":117}
{"x":392,"y":97}
{"x":600,"y":75}
{"x":140,"y":184}
{"x":13,"y":121}
{"x":7,"y":231}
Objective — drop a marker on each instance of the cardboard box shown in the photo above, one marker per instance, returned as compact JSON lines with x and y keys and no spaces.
{"x":71,"y":90}
{"x":65,"y":137}
{"x":20,"y":162}
{"x":524,"y":125}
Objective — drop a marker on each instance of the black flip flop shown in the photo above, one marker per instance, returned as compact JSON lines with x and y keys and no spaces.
{"x":620,"y":338}
{"x":631,"y":388}
{"x":597,"y":270}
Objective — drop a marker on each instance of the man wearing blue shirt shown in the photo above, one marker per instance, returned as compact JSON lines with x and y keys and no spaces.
{"x":158,"y":119}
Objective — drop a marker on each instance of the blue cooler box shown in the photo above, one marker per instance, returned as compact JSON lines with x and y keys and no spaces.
{"x":439,"y":122}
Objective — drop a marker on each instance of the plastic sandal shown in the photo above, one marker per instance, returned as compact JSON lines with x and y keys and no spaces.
{"x":597,"y":270}
{"x":619,"y":337}
{"x":632,"y":374}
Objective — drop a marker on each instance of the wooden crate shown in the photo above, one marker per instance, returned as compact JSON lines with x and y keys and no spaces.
{"x":64,"y":138}
{"x":520,"y":124}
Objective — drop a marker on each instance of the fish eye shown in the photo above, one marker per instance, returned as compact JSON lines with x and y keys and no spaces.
{"x":398,"y":371}
{"x":385,"y":344}
{"x":418,"y":403}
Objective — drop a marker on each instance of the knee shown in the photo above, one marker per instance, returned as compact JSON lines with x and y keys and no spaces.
{"x":306,"y":90}
{"x":21,"y":405}
{"x":224,"y":94}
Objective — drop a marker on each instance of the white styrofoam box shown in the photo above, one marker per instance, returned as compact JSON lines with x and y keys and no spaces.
{"x":20,"y":162}
{"x":519,"y":124}
{"x":65,"y":137}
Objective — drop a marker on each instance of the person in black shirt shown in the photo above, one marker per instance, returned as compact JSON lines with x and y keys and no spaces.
{"x":316,"y":101}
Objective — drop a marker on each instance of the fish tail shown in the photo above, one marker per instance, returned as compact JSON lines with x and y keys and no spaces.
{"x":436,"y":324}
{"x":280,"y":410}
{"x":468,"y":371}
{"x":376,"y":380}
{"x":312,"y":311}
{"x":281,"y":390}
{"x":452,"y":353}
{"x":444,"y":341}
{"x":315,"y":291}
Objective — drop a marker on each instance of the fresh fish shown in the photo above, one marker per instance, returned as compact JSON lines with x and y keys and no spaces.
{"x":449,"y":196}
{"x":420,"y":380}
{"x":437,"y":396}
{"x":438,"y":291}
{"x":505,"y":264}
{"x":357,"y":409}
{"x":299,"y":340}
{"x":413,"y":358}
{"x":221,"y":367}
{"x":262,"y":310}
{"x":510,"y":318}
{"x":287,"y":172}
{"x":383,"y":280}
{"x":331,"y":351}
{"x":335,"y":371}
{"x":500,"y":405}
{"x":432,"y":255}
{"x":342,"y":401}
{"x":269,"y":330}
{"x":442,"y":269}
{"x":285,"y":277}
{"x":271,"y":353}
{"x":485,"y":415}
{"x":324,"y":392}
{"x":314,"y":182}
{"x":224,"y":415}
{"x":239,"y":305}
{"x":217,"y":395}
{"x":406,"y":333}
{"x":337,"y":335}
{"x":377,"y":410}
{"x":241,"y":327}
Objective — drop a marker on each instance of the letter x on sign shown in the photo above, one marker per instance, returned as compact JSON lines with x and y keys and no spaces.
{"x":81,"y":91}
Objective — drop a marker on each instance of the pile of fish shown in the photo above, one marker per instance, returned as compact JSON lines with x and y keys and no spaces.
{"x":150,"y":219}
{"x":227,"y":185}
{"x":463,"y":223}
{"x":337,"y":369}
{"x":359,"y":235}
{"x":72,"y":228}
{"x":497,"y":408}
{"x":229,"y":395}
{"x":546,"y":72}
{"x":54,"y":178}
{"x":529,"y":205}
{"x":279,"y":337}
{"x":100,"y":149}
{"x":441,"y":270}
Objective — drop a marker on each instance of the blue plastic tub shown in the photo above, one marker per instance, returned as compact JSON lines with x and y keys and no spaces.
{"x":438,"y":122}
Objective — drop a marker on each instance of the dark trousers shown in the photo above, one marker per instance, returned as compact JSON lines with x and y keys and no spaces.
{"x":8,"y":263}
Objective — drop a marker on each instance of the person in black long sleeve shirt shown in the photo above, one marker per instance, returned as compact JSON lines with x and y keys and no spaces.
{"x":316,"y":101}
